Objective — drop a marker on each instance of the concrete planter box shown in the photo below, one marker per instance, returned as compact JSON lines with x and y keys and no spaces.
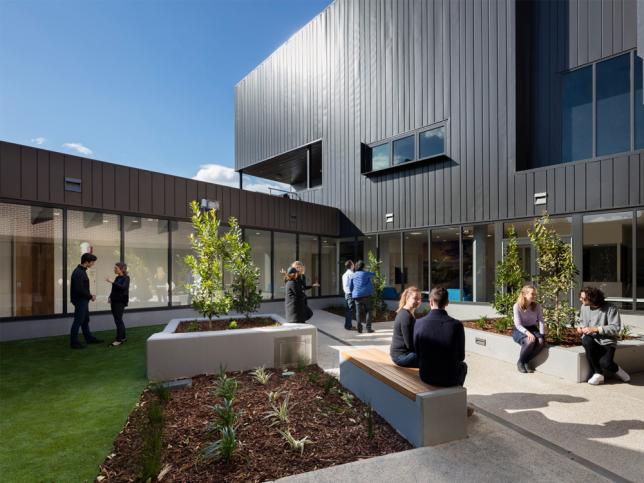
{"x":566,"y":362}
{"x":172,"y":356}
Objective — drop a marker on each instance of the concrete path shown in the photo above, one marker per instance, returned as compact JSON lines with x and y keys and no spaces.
{"x":529,"y":426}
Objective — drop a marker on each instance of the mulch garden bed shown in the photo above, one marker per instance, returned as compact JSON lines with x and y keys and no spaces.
{"x":334,"y":421}
{"x":215,"y":324}
{"x":387,"y":316}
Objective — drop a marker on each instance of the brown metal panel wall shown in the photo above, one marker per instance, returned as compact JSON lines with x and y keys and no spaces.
{"x":621,"y":181}
{"x":169,"y":206}
{"x":73,"y":169}
{"x":87,"y":184}
{"x":181,"y":208}
{"x":56,"y":178}
{"x":29,"y":174}
{"x":191,"y":195}
{"x":145,"y":192}
{"x":134,"y":190}
{"x":158,"y":194}
{"x":97,"y":184}
{"x":122,"y":188}
{"x":43,"y":176}
{"x":606,"y":183}
{"x":10,"y":170}
{"x":108,"y":186}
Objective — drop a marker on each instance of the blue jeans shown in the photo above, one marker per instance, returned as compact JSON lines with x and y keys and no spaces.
{"x":348,"y":316}
{"x":368,"y":308}
{"x":408,"y":360}
{"x":81,"y":320}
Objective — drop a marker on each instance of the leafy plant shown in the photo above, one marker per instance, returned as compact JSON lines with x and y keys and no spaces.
{"x":295,"y":444}
{"x":370,"y":424}
{"x":625,"y":332}
{"x":224,"y":447}
{"x":261,"y":375}
{"x":225,"y":414}
{"x":379,"y":282}
{"x":160,"y":391}
{"x":274,"y":396}
{"x":226,"y":387}
{"x":233,"y":325}
{"x":502,"y":324}
{"x":193,"y":326}
{"x":207,"y":291}
{"x":244,"y":288}
{"x":302,"y":363}
{"x":556,"y":278}
{"x":152,"y":442}
{"x":279,"y":411}
{"x":348,"y":398}
{"x":329,"y":383}
{"x":481,"y":322}
{"x":510,"y":277}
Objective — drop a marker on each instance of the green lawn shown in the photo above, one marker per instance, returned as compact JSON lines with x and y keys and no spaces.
{"x":61,"y":409}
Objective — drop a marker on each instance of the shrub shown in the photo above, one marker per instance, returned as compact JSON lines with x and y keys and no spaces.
{"x":226,"y":387}
{"x":160,"y":391}
{"x":379,"y":282}
{"x":510,"y":277}
{"x":152,"y":441}
{"x":295,"y":444}
{"x":625,"y":332}
{"x":481,"y":322}
{"x":225,"y":414}
{"x":261,"y":375}
{"x":224,"y":447}
{"x":370,"y":423}
{"x":193,"y":326}
{"x":279,"y":412}
{"x":502,"y":324}
{"x":233,"y":325}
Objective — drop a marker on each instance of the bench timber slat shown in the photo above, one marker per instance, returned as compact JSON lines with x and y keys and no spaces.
{"x":425,"y":415}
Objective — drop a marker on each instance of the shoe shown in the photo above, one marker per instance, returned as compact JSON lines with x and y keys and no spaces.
{"x":116,"y":343}
{"x":622,"y":374}
{"x":470,"y":410}
{"x":528,"y":369}
{"x":94,"y":340}
{"x":521,"y":367}
{"x":370,"y":331}
{"x":359,"y":329}
{"x":596,"y":380}
{"x":77,"y":345}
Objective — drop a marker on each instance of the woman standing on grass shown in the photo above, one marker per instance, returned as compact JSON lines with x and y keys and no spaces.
{"x":529,"y":327}
{"x":295,"y":301}
{"x":402,"y":343}
{"x":119,"y":297}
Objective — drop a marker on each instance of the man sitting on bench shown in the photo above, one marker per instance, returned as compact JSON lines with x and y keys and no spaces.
{"x":439,"y":341}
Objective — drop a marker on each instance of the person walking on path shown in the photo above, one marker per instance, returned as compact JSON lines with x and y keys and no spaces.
{"x":348,"y":316}
{"x":529,"y":327}
{"x":600,"y":325}
{"x":361,"y":286}
{"x":80,"y":297}
{"x":402,"y":342}
{"x":295,"y":306}
{"x":119,"y":297}
{"x":299,"y":266}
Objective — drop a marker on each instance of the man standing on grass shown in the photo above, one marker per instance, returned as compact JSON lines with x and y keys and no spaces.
{"x":80,"y":297}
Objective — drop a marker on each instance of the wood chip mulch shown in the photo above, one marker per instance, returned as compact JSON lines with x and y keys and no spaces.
{"x":388,"y":316}
{"x":338,"y":432}
{"x":216,"y":325}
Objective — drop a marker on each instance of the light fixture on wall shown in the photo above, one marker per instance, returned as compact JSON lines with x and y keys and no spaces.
{"x":389,"y":217}
{"x":540,"y":198}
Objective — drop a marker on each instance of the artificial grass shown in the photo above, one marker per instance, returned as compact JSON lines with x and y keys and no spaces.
{"x":61,"y":409}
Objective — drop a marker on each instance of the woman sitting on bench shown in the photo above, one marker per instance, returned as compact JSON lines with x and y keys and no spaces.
{"x":402,"y":342}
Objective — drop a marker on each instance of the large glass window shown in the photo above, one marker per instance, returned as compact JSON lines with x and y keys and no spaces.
{"x":100,"y":234}
{"x":380,"y":157}
{"x":146,"y":254}
{"x":639,"y":288}
{"x":613,"y":101}
{"x":331,"y":272}
{"x":577,"y":115}
{"x":366,"y":244}
{"x":445,"y":255}
{"x":284,"y":250}
{"x":404,"y":150}
{"x":181,"y":274}
{"x":416,"y":259}
{"x":639,"y":104}
{"x":31,"y":254}
{"x":391,"y":267}
{"x":260,"y":244}
{"x":432,"y":142}
{"x":608,"y":256}
{"x":309,"y":256}
{"x":478,"y":263}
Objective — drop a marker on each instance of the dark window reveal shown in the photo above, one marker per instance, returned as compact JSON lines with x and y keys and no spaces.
{"x":577,"y":115}
{"x":613,"y":113}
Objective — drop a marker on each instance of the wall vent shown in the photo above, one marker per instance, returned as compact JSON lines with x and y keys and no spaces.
{"x":73,"y":184}
{"x":540,"y":198}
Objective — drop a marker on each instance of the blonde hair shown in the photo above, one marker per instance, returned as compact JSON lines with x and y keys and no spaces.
{"x":405,"y":295}
{"x":299,"y":266}
{"x":521,"y":299}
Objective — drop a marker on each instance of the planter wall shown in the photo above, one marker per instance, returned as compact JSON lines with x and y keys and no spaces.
{"x":566,"y":362}
{"x":172,"y":356}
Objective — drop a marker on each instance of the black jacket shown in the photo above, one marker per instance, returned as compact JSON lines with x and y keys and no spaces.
{"x":295,"y":303}
{"x":79,"y":286}
{"x":120,"y":290}
{"x":402,"y":340}
{"x":439,"y":341}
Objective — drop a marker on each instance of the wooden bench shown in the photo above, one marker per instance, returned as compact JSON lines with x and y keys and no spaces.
{"x":424,"y":415}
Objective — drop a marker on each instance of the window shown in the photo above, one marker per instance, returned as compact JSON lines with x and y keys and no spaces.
{"x":445,"y":256}
{"x":404,"y":150}
{"x":310,"y":256}
{"x":639,"y":287}
{"x":391,"y":267}
{"x":478,"y":263}
{"x":146,"y":255}
{"x":416,"y":259}
{"x":181,"y":274}
{"x":613,"y":113}
{"x":639,"y":104}
{"x":284,"y":250}
{"x":331,"y":272}
{"x":432,"y":142}
{"x":577,"y":115}
{"x":260,"y":244}
{"x":100,"y":234}
{"x":31,"y":253}
{"x":380,"y":157}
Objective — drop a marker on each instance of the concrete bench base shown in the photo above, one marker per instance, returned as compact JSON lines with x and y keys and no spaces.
{"x":434,"y":417}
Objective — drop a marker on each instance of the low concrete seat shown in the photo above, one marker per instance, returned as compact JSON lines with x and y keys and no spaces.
{"x":424,"y":415}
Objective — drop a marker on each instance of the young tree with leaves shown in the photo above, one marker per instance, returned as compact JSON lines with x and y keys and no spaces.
{"x":510,"y":277}
{"x":373,"y":265}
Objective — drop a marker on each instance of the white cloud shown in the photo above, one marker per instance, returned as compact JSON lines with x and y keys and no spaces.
{"x":79,"y":148}
{"x":38,"y":141}
{"x":218,"y":174}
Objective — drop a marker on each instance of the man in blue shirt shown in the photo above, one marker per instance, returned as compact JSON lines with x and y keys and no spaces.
{"x":361,"y":286}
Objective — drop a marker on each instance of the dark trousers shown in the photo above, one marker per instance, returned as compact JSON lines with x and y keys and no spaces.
{"x":462,"y":374}
{"x":117,"y":312}
{"x":81,"y":320}
{"x":600,"y":357}
{"x":529,"y":350}
{"x":407,"y":360}
{"x":366,"y":304}
{"x":348,"y":316}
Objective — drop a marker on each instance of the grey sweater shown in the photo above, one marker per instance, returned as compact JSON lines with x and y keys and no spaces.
{"x":606,"y":318}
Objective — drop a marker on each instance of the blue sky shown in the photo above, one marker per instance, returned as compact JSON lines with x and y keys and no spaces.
{"x":145,"y":83}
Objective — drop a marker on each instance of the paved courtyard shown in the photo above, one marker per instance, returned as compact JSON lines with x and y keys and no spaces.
{"x":530,"y":427}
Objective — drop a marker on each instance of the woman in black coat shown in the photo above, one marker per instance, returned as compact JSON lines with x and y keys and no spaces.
{"x":295,"y":300}
{"x":119,"y":297}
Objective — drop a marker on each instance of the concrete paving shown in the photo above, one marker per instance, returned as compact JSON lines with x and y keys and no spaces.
{"x":529,"y":426}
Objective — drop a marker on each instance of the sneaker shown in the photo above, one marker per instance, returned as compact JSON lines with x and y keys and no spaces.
{"x":77,"y":345}
{"x":370,"y":331}
{"x":528,"y":368}
{"x":596,"y":380}
{"x":116,"y":343}
{"x":622,"y":374}
{"x":360,"y":329}
{"x":521,"y":368}
{"x":94,"y":340}
{"x":470,"y":410}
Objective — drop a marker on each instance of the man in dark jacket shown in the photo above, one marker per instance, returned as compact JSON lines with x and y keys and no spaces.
{"x":80,"y":296}
{"x":439,"y":341}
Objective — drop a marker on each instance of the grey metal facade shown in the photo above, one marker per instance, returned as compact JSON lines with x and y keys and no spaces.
{"x":365,"y":70}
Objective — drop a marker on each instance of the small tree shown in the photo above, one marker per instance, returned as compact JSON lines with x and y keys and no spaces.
{"x":373,"y":264}
{"x":208,"y":295}
{"x":510,"y":277}
{"x":556,"y":278}
{"x":244,"y":289}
